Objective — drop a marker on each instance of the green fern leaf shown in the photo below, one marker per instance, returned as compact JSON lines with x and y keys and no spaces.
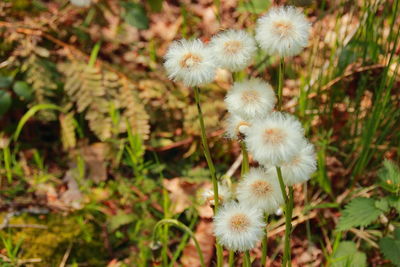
{"x":359,"y":212}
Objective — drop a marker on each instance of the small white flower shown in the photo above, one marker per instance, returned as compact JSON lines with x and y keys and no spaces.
{"x":81,"y":3}
{"x":236,"y":126}
{"x":274,"y":139}
{"x":224,"y":194}
{"x":261,"y":190}
{"x":251,"y":99}
{"x":300,"y":167}
{"x":233,"y":49}
{"x":238,"y":227}
{"x":190,"y":62}
{"x":283,"y":31}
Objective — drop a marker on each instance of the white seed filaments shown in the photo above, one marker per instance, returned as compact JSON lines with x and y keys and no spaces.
{"x":236,"y":126}
{"x":190,"y":62}
{"x":261,"y":190}
{"x":283,"y":31}
{"x":251,"y":99}
{"x":233,"y":49}
{"x":224,"y":194}
{"x":238,"y":227}
{"x":274,"y":139}
{"x":300,"y":167}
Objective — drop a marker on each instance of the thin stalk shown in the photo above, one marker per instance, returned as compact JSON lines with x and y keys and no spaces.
{"x":211,"y":167}
{"x":264,"y":244}
{"x":7,"y":163}
{"x":247,"y":261}
{"x":288,"y":200}
{"x":165,"y":229}
{"x":231,"y":261}
{"x":280,"y":82}
{"x":245,"y":160}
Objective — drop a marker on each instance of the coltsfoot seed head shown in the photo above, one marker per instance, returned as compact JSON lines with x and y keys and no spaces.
{"x":238,"y":227}
{"x":260,"y":190}
{"x":251,"y":99}
{"x":190,"y":62}
{"x":283,"y":31}
{"x":233,"y":49}
{"x":274,"y":139}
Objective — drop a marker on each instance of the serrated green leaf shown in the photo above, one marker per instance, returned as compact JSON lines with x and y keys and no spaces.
{"x":382,"y":204}
{"x":135,"y":15}
{"x":347,"y":255}
{"x":397,"y":233}
{"x":391,"y":249}
{"x":394,"y":202}
{"x":359,"y":212}
{"x":389,"y":176}
{"x":23,"y":90}
{"x":5,"y":101}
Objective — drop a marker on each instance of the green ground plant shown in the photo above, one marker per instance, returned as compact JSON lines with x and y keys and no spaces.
{"x":92,"y":132}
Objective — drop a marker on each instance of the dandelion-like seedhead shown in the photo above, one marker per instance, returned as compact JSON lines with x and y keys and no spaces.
{"x":233,"y":49}
{"x":274,"y":139}
{"x":261,"y":190}
{"x":236,"y":126}
{"x":283,"y":31}
{"x":250,"y":99}
{"x":238,"y":227}
{"x":190,"y":62}
{"x":300,"y":167}
{"x":81,"y":3}
{"x":224,"y":194}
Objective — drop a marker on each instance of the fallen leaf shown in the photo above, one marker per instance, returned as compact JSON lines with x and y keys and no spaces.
{"x":205,"y":237}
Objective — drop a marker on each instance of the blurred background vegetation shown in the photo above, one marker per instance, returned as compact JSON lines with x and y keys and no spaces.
{"x":97,"y":145}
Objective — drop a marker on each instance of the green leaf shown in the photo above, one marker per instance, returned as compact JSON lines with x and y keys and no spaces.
{"x":119,"y":220}
{"x":5,"y":81}
{"x":254,"y":6}
{"x":135,"y":15}
{"x":23,"y":90}
{"x":391,"y":249}
{"x":359,"y":212}
{"x":394,"y":202}
{"x":5,"y":101}
{"x":155,"y":5}
{"x":389,"y":176}
{"x":382,"y":204}
{"x":347,"y":255}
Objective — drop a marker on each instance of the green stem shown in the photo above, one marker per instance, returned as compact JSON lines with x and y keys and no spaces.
{"x":245,"y":160}
{"x":231,"y":258}
{"x":264,"y":245}
{"x":247,"y":260}
{"x":210,"y":164}
{"x":280,"y":83}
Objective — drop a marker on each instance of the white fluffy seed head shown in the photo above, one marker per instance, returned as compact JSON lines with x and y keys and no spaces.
{"x":233,"y":49}
{"x":300,"y":167}
{"x":224,"y":194}
{"x":260,"y":190}
{"x":238,"y":227}
{"x":190,"y":62}
{"x":251,"y":99}
{"x":236,"y":126}
{"x":81,"y":3}
{"x":274,"y":139}
{"x":283,"y":31}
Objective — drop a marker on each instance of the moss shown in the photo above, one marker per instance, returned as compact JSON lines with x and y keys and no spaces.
{"x":50,"y":244}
